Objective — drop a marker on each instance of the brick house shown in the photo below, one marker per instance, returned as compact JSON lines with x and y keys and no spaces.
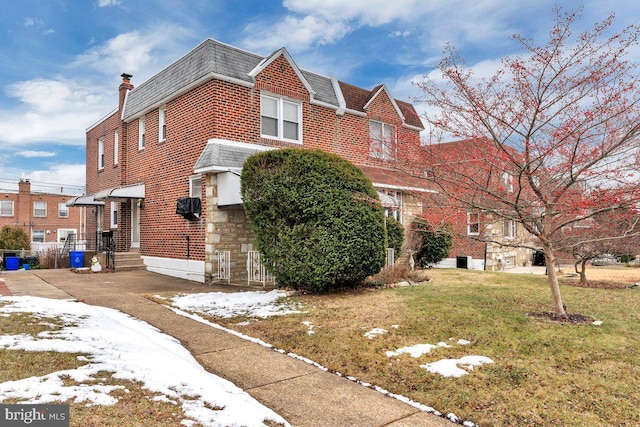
{"x":177,"y":142}
{"x":45,"y":217}
{"x":484,"y":240}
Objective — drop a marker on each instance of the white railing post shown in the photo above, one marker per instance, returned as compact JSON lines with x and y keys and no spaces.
{"x":255,"y":270}
{"x":224,"y":265}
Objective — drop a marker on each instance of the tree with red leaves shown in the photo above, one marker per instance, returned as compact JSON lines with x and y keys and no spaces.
{"x":550,"y":141}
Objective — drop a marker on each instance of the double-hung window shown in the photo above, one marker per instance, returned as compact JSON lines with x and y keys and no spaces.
{"x":473,"y":223}
{"x":40,"y":209}
{"x":37,"y":236}
{"x":195,"y":186}
{"x":140,"y":133}
{"x":6,"y":207}
{"x":280,"y":119}
{"x":162,"y":125}
{"x":382,"y":140}
{"x":63,"y":210}
{"x":101,"y":154}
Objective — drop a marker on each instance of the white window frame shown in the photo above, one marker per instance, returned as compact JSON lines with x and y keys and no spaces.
{"x":396,"y":209}
{"x":280,"y":120}
{"x":4,"y":209}
{"x":100,"y":153}
{"x":141,"y":131}
{"x":379,"y":145}
{"x":65,"y":232}
{"x":193,"y":187}
{"x":471,"y":223}
{"x":39,"y":233}
{"x":35,"y":209}
{"x":63,"y":210}
{"x":507,"y":182}
{"x":162,"y":124}
{"x":116,"y":147}
{"x":113,"y":215}
{"x":509,"y":230}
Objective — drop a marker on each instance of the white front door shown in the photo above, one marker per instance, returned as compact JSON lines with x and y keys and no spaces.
{"x":135,"y":224}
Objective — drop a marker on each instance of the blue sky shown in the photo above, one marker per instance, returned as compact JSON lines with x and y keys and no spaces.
{"x":61,"y":60}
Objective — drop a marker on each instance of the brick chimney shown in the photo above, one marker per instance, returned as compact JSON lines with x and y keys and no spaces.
{"x":24,"y":186}
{"x":124,"y":87}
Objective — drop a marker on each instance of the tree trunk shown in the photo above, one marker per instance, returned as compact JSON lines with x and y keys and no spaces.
{"x":582,"y":272}
{"x":556,"y":298}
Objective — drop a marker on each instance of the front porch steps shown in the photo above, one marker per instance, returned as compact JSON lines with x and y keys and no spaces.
{"x":127,"y":261}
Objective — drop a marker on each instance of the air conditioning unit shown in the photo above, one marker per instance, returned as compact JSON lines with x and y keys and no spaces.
{"x":189,"y":208}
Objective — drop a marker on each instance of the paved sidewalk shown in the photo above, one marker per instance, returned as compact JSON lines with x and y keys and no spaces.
{"x":302,"y":394}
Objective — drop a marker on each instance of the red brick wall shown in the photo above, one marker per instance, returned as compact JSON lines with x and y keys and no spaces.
{"x":215,"y":109}
{"x":23,"y":203}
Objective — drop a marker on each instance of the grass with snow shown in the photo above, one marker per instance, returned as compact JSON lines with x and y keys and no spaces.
{"x":540,"y":372}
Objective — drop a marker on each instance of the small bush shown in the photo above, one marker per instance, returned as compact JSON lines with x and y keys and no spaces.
{"x":433,"y":242}
{"x":397,"y":273}
{"x":318,"y":221}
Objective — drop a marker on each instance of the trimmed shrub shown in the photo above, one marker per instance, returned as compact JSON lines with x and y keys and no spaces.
{"x":317,"y":219}
{"x":395,"y":234}
{"x":433,"y":243}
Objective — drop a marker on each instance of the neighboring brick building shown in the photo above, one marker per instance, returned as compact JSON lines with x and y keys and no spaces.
{"x":183,"y":135}
{"x":45,"y":217}
{"x":483,"y":240}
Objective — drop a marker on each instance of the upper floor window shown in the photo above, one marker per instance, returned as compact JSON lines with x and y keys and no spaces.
{"x":6,"y":207}
{"x":507,"y":182}
{"x":140,"y":133}
{"x":195,"y":186}
{"x":162,"y":124}
{"x":280,"y":119}
{"x":116,"y":147}
{"x":40,"y":209}
{"x":101,"y":153}
{"x":383,"y":140}
{"x":473,"y":223}
{"x":63,"y":210}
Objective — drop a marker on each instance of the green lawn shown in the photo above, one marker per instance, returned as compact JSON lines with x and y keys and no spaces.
{"x":545,"y":373}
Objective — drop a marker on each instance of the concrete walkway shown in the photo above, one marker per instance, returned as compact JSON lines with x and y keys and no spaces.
{"x":302,"y":394}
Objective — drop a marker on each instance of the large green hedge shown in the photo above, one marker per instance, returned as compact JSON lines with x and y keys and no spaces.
{"x":317,"y":219}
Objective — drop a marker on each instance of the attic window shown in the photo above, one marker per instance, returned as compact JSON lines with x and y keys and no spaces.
{"x":280,"y":119}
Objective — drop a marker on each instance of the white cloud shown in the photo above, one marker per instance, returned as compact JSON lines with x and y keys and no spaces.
{"x":109,"y":3}
{"x":399,"y":33}
{"x":52,"y":110}
{"x":61,"y":178}
{"x":141,"y":53}
{"x":32,"y":153}
{"x":294,"y":33}
{"x":30,"y":22}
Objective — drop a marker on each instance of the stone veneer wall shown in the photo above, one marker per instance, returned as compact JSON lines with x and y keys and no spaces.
{"x":227,"y":229}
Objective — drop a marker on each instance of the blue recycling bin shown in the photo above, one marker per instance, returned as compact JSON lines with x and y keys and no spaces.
{"x":12,"y":262}
{"x":76,"y":258}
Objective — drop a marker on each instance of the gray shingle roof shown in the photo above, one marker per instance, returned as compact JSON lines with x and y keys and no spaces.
{"x":208,"y":57}
{"x":215,"y":59}
{"x":223,"y":156}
